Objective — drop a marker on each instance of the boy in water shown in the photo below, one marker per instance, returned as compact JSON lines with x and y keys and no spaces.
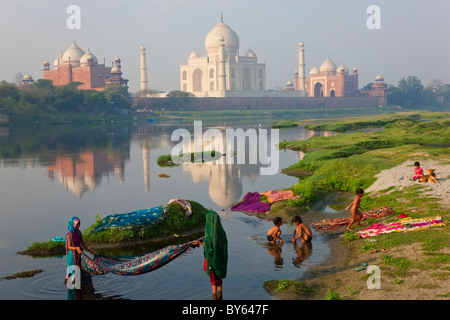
{"x":302,"y":230}
{"x":274,"y":233}
{"x":356,"y":205}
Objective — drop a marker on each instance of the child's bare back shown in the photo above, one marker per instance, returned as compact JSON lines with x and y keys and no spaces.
{"x":355,"y":206}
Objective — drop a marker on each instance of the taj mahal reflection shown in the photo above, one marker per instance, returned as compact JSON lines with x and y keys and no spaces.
{"x":85,"y":170}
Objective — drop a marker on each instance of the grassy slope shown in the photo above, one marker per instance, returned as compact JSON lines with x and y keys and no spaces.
{"x":346,"y":162}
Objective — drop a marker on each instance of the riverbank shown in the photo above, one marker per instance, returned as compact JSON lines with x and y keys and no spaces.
{"x":413,"y":265}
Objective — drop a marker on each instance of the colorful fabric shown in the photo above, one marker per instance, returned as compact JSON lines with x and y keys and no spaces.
{"x":215,"y":246}
{"x":185,"y":204}
{"x":342,"y":222}
{"x":73,"y":236}
{"x":403,"y":225}
{"x":138,"y":219}
{"x":251,"y":203}
{"x":273,"y":196}
{"x":147,"y":263}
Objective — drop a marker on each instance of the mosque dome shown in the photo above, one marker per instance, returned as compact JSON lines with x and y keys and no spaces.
{"x":27,"y":77}
{"x":250,"y":53}
{"x":86,"y":58}
{"x":74,"y":54}
{"x":314,"y":70}
{"x":194,"y":54}
{"x":328,"y":66}
{"x":58,"y":61}
{"x":219,"y":31}
{"x":342,"y":68}
{"x":379,"y":78}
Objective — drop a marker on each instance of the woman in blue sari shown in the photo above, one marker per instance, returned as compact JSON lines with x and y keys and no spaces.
{"x":74,"y":246}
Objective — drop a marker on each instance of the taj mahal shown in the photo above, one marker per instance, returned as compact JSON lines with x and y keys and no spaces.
{"x":223,"y":73}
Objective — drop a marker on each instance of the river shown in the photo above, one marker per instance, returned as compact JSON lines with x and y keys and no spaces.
{"x":49,"y":174}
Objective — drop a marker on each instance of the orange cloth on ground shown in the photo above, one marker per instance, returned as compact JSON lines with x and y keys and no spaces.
{"x":273,"y":196}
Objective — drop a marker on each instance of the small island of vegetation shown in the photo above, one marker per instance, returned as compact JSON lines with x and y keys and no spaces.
{"x":177,"y":226}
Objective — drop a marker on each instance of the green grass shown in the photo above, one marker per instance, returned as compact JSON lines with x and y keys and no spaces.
{"x":283,"y":124}
{"x":349,"y":161}
{"x":166,"y":160}
{"x":295,"y":286}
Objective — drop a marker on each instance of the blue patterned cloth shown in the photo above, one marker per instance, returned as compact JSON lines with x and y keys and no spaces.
{"x":138,"y":219}
{"x":102,"y":265}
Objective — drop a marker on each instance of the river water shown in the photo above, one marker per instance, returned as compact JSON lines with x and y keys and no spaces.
{"x":50,"y":174}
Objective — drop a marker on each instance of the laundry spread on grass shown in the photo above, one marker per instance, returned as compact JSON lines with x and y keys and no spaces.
{"x":138,"y":219}
{"x":273,"y":196}
{"x":403,"y":225}
{"x":99,"y":265}
{"x":251,"y":201}
{"x":327,"y":224}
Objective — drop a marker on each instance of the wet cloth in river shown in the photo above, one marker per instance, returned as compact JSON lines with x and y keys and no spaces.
{"x":102,"y":265}
{"x":138,"y":219}
{"x":342,"y":222}
{"x":403,"y":225}
{"x":273,"y":196}
{"x":251,"y":203}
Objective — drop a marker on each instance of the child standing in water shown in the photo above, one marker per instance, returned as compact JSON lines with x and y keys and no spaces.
{"x":418,"y":171}
{"x":274,"y":233}
{"x":356,"y":205}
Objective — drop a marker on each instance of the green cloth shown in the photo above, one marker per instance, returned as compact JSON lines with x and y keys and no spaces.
{"x":216,"y":246}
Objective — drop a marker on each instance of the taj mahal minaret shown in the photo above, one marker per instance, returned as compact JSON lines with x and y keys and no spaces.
{"x":144,"y":82}
{"x":301,"y":67}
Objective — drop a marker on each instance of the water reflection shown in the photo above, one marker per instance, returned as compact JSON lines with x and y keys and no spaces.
{"x":85,"y":170}
{"x":304,"y":250}
{"x":119,"y":164}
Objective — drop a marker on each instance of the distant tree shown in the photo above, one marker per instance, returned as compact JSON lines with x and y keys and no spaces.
{"x":436,"y":84}
{"x":68,"y":97}
{"x":413,"y":90}
{"x":367,"y":86}
{"x":9,"y":95}
{"x":95,"y":101}
{"x":178,"y":99}
{"x":18,"y":78}
{"x":118,"y":97}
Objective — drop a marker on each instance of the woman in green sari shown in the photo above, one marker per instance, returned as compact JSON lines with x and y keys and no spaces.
{"x":215,"y":250}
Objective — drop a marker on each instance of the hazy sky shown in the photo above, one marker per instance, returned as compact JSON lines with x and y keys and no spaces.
{"x":414,"y":38}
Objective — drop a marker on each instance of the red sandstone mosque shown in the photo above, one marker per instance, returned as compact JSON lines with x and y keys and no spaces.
{"x":332,"y":81}
{"x":75,"y":65}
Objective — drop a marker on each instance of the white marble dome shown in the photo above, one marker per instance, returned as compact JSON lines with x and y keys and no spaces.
{"x":73,"y":54}
{"x":88,"y":55}
{"x":250,"y":53}
{"x":328,"y":66}
{"x":342,"y":68}
{"x":58,"y":61}
{"x":314,"y":70}
{"x":219,"y":31}
{"x":194,"y":54}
